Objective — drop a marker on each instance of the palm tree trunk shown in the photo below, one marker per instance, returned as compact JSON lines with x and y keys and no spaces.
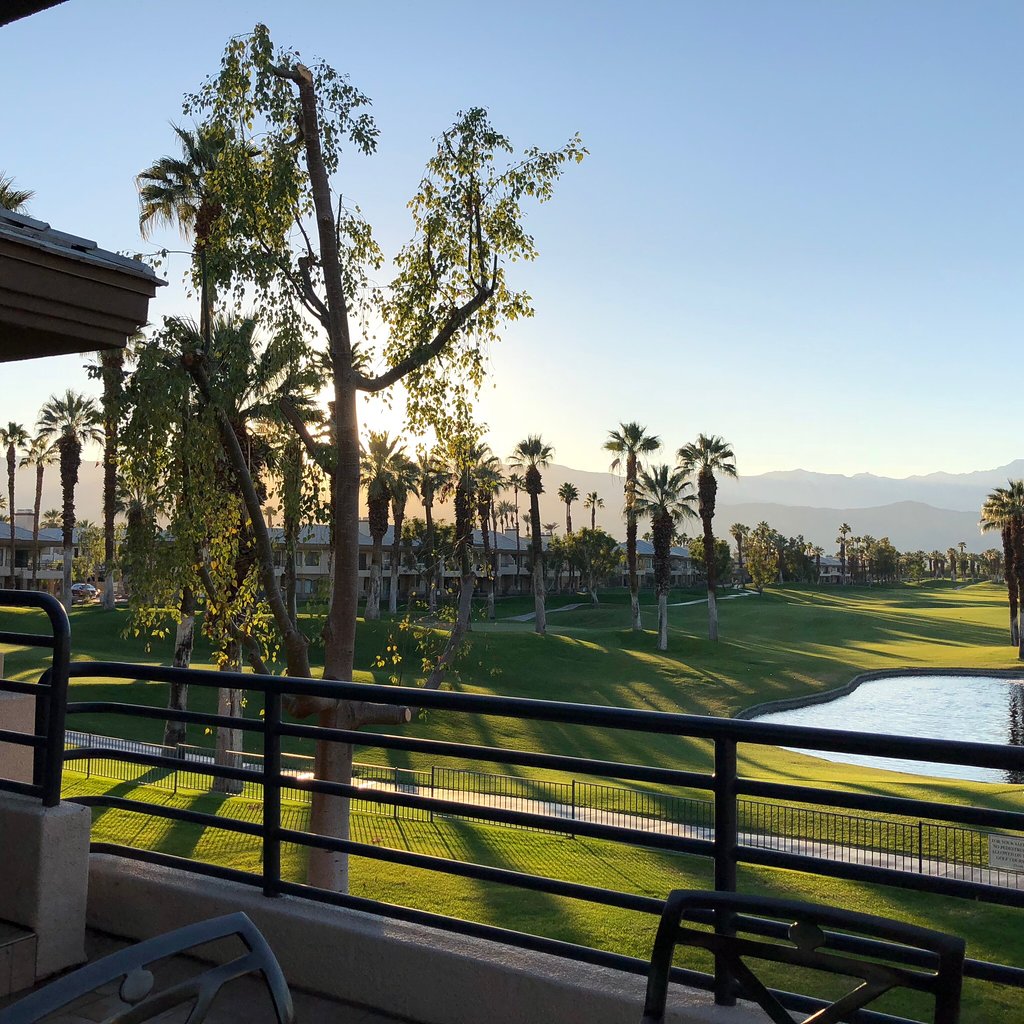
{"x":540,"y":622}
{"x":428,"y":547}
{"x":662,"y":621}
{"x":373,"y":596}
{"x":634,"y":583}
{"x":111,"y":363}
{"x":398,"y":514}
{"x":11,"y":464}
{"x":706,"y":488}
{"x":40,"y":468}
{"x":70,"y":459}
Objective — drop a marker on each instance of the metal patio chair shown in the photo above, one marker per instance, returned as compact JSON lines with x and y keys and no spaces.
{"x":889,"y":954}
{"x":129,"y":966}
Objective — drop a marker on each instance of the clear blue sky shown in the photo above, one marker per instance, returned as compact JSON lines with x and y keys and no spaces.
{"x":800,"y":225}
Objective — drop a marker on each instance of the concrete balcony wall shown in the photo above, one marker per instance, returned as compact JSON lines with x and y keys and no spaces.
{"x":413,"y":972}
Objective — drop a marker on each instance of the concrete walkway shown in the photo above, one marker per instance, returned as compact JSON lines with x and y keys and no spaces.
{"x":530,"y":616}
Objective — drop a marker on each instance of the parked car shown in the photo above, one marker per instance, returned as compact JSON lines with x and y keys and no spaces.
{"x":82,"y":592}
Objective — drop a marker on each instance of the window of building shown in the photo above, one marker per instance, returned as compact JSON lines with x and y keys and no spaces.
{"x":312,"y":558}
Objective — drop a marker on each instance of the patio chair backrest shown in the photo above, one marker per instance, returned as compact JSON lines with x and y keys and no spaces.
{"x":129,"y":966}
{"x":825,"y":939}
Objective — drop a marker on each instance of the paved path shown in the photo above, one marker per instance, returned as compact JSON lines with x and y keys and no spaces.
{"x":530,"y":616}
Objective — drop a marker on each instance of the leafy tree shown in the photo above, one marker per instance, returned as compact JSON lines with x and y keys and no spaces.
{"x":665,"y":496}
{"x":11,"y":198}
{"x":630,"y":443}
{"x":596,"y":556}
{"x":12,"y":437}
{"x":532,"y":455}
{"x":313,"y":260}
{"x":1003,"y":510}
{"x":71,"y":420}
{"x":705,"y":457}
{"x":762,"y":556}
{"x":723,"y":556}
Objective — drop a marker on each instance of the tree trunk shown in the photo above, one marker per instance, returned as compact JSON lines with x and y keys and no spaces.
{"x":111,"y":363}
{"x":11,"y":466}
{"x":70,"y":460}
{"x":634,"y":583}
{"x":40,"y":468}
{"x":228,"y":745}
{"x":398,"y":514}
{"x":373,"y":595}
{"x":662,"y":621}
{"x":712,"y":615}
{"x":706,"y":489}
{"x":177,"y":696}
{"x":540,"y":622}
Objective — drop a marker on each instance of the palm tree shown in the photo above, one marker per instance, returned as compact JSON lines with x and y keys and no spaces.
{"x":380,"y":458}
{"x":844,"y":531}
{"x":51,"y":517}
{"x":662,"y":495}
{"x":708,"y":455}
{"x":629,"y":444}
{"x":532,"y":455}
{"x":72,"y":420}
{"x":568,"y":493}
{"x":12,"y":437}
{"x":593,"y":501}
{"x":39,"y":454}
{"x":177,"y":190}
{"x":429,"y":477}
{"x":739,"y":533}
{"x":488,"y":481}
{"x":1002,"y":511}
{"x":518,"y":483}
{"x":11,"y":198}
{"x":403,"y":482}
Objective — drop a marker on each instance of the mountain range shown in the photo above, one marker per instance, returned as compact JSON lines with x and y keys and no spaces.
{"x":936,"y":510}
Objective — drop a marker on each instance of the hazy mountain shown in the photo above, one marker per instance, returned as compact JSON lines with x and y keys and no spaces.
{"x":932,"y":511}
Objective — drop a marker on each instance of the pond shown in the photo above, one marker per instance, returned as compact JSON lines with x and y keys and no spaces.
{"x":985,"y":709}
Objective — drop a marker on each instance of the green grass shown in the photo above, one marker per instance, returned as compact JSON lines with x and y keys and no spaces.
{"x":785,"y":643}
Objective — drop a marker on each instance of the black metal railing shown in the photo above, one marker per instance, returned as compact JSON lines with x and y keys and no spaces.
{"x":724,"y":846}
{"x":50,"y":693}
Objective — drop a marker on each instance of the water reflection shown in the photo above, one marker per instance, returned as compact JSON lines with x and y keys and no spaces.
{"x":982,"y":708}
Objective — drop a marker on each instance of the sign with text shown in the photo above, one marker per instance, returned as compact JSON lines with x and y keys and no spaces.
{"x":1006,"y":852}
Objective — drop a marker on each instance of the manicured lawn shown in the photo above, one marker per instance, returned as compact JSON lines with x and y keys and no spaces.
{"x":786,"y":642}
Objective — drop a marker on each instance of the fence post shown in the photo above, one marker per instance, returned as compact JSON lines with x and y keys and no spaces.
{"x":726,"y":842}
{"x":433,"y":778}
{"x":395,"y":805}
{"x":920,"y":847}
{"x":272,"y":794}
{"x":572,"y":835}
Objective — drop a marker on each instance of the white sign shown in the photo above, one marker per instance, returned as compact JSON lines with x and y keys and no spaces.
{"x":1006,"y":852}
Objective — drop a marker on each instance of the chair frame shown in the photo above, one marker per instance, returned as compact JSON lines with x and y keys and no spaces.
{"x":137,"y":982}
{"x":901,"y":944}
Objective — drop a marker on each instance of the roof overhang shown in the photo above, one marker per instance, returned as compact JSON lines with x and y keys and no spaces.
{"x":12,"y":10}
{"x":60,"y":293}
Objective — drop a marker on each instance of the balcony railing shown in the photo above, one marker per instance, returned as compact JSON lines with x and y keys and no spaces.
{"x":723,"y":838}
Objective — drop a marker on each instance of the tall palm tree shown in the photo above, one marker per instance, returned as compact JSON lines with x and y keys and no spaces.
{"x":705,"y":457}
{"x":532,"y":455}
{"x":112,"y":375}
{"x":429,"y":478}
{"x":844,"y":531}
{"x":178,"y":190}
{"x":39,"y":455}
{"x":1002,"y":511}
{"x":71,"y":420}
{"x":403,"y":482}
{"x":11,"y":198}
{"x":12,"y":437}
{"x":518,"y":483}
{"x":488,"y":481}
{"x":568,"y":493}
{"x":630,"y":443}
{"x":739,"y":533}
{"x":665,"y":496}
{"x":593,"y":501}
{"x":381,"y":456}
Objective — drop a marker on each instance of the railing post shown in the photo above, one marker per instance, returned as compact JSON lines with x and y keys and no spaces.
{"x":272,"y":794}
{"x":433,"y":779}
{"x":572,"y":835}
{"x":920,"y":847}
{"x":726,"y":842}
{"x":395,"y":805}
